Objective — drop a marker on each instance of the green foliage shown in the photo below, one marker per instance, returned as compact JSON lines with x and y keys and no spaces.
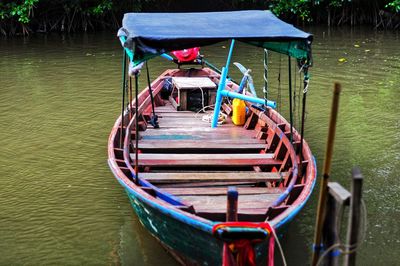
{"x":332,"y":3}
{"x":394,"y":5}
{"x":300,"y":8}
{"x":21,"y":10}
{"x":101,"y":8}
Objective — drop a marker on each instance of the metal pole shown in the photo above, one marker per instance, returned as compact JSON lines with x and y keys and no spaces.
{"x":221,"y":86}
{"x":123,"y":99}
{"x":136,"y":128}
{"x":290,"y":99}
{"x":354,"y":217}
{"x":303,"y":117}
{"x":154,"y":118}
{"x":130,"y":99}
{"x":326,"y":173}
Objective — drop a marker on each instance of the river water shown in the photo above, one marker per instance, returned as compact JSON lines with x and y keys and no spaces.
{"x":60,"y":95}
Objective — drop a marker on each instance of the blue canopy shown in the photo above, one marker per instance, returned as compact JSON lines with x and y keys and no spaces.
{"x":151,"y":34}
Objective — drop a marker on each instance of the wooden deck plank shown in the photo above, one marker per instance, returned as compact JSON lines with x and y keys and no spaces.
{"x":198,"y":145}
{"x":167,"y":159}
{"x":181,"y":191}
{"x":211,"y":177}
{"x":204,"y":156}
{"x":231,"y":131}
{"x":221,"y":184}
{"x":218,"y":203}
{"x":196,"y":136}
{"x":211,"y":142}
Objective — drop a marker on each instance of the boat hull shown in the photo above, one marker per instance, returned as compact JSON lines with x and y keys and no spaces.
{"x":189,"y":245}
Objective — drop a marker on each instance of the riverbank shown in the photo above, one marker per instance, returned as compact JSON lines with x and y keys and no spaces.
{"x":44,"y":16}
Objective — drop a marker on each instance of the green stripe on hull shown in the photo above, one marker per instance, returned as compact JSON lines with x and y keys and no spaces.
{"x":195,"y":245}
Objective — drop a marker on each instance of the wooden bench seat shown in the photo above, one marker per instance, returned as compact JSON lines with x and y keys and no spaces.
{"x":198,"y":191}
{"x":227,"y":160}
{"x":150,"y":145}
{"x":185,"y":177}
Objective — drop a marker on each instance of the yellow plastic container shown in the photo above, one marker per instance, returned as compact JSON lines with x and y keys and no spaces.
{"x":238,"y":112}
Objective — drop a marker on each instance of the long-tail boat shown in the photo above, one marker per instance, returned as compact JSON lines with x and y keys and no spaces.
{"x":212,"y":187}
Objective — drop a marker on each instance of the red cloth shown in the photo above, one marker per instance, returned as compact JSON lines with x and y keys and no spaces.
{"x":241,"y":252}
{"x":187,"y":55}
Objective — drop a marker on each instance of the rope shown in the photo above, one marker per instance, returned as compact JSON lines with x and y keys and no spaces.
{"x":265,"y":88}
{"x":279,"y":246}
{"x":279,"y":97}
{"x":245,"y":244}
{"x":299,"y":100}
{"x":343,"y":247}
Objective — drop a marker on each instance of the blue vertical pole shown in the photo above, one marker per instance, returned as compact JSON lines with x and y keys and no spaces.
{"x":221,"y":86}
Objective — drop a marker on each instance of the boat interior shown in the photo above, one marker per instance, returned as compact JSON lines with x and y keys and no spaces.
{"x":185,"y":163}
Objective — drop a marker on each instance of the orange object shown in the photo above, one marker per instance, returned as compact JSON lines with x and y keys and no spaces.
{"x":238,"y":112}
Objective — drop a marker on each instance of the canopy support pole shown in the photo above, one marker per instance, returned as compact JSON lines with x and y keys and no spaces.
{"x":290,"y":99}
{"x":303,"y":117}
{"x":123,"y":99}
{"x":136,"y":128}
{"x":154,"y":119}
{"x":221,"y":86}
{"x":130,"y":98}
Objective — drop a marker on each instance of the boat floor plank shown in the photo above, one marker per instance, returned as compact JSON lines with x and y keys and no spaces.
{"x":212,"y":176}
{"x":218,"y":203}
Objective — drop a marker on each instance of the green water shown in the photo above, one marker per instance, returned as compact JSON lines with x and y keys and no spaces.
{"x":59,"y":97}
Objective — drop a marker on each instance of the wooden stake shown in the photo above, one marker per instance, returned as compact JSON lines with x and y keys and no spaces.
{"x":354,"y":217}
{"x":326,"y":173}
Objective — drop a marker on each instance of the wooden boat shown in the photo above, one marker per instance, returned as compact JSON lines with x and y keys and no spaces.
{"x":177,"y":175}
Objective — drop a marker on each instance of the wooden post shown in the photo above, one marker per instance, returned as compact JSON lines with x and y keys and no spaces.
{"x":338,"y":197}
{"x":330,"y":232}
{"x":326,"y":173}
{"x":354,"y":217}
{"x":232,"y":205}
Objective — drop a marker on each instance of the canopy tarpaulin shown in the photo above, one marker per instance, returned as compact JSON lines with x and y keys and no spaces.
{"x":150,"y":34}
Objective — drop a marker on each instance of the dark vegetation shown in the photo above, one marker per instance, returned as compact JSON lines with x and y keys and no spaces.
{"x":29,"y":16}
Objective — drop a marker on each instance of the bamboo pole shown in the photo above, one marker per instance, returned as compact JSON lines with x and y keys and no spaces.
{"x":326,"y":174}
